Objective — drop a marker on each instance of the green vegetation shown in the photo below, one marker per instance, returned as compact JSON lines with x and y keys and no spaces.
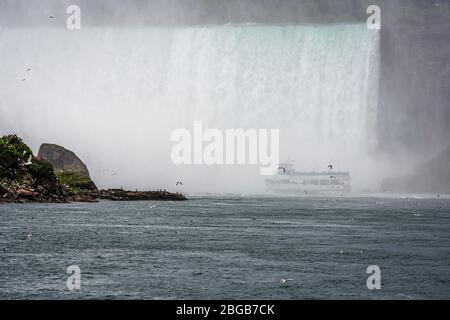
{"x":18,"y":167}
{"x":42,"y":172}
{"x":13,"y":153}
{"x":42,"y":169}
{"x":75,"y":180}
{"x":25,"y":178}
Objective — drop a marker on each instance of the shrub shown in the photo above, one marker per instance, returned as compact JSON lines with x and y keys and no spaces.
{"x":41,"y":168}
{"x":75,"y":180}
{"x":13,"y":152}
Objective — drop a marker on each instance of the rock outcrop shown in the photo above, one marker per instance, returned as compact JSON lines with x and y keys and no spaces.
{"x":24,"y":178}
{"x":70,"y":170}
{"x":62,"y":159}
{"x":123,"y":195}
{"x":56,"y":175}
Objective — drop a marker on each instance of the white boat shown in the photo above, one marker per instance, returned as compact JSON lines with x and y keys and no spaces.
{"x":289,"y":181}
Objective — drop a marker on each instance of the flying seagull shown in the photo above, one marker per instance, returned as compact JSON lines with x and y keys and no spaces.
{"x":282,"y":168}
{"x":29,"y":69}
{"x":179,"y":183}
{"x":114,"y":174}
{"x":24,"y":79}
{"x":51,"y":17}
{"x":330,"y":166}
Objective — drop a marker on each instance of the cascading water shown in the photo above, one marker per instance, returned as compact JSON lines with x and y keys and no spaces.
{"x":115,"y":95}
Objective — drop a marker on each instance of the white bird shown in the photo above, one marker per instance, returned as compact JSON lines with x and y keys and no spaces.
{"x":27,"y":237}
{"x":285,"y":280}
{"x":29,"y":162}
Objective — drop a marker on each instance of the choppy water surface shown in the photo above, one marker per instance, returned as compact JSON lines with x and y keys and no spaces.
{"x":222,"y":247}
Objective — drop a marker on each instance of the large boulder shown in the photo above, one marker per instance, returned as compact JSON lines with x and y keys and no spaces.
{"x":70,"y":170}
{"x":62,"y":159}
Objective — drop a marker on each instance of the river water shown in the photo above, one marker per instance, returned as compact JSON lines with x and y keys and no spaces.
{"x":226,"y":247}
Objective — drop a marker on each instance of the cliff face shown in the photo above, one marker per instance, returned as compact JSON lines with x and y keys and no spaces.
{"x":62,"y":159}
{"x":70,"y":170}
{"x":414,"y":92}
{"x":432,"y":176}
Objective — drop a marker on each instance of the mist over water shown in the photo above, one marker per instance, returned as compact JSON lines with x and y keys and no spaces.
{"x":114,"y":96}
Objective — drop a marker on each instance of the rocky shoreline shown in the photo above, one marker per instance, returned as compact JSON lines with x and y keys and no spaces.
{"x":28,"y":194}
{"x":123,"y":195}
{"x":56,"y":175}
{"x":24,"y":194}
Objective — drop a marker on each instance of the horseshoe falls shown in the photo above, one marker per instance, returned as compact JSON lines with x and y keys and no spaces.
{"x":114,"y":96}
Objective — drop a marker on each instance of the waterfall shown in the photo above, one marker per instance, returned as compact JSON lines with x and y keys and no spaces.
{"x":115,"y":95}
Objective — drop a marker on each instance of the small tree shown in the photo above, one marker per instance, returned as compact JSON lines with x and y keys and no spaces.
{"x":13,"y":153}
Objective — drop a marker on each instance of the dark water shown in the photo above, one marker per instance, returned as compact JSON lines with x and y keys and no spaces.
{"x":239,"y":249}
